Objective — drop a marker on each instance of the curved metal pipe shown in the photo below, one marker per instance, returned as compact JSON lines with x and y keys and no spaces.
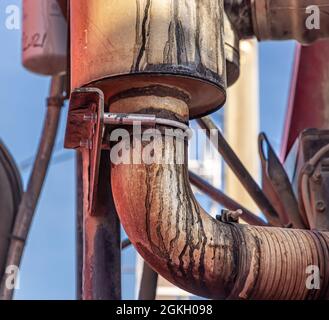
{"x":209,"y":258}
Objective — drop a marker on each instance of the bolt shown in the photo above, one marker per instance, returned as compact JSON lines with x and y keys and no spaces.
{"x":230,"y":216}
{"x":320,"y":206}
{"x":317,"y":177}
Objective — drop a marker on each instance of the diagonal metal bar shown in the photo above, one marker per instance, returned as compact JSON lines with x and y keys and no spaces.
{"x":224,"y":200}
{"x":240,"y":171}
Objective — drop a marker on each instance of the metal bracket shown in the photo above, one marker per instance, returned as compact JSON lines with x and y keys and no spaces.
{"x":85,"y":128}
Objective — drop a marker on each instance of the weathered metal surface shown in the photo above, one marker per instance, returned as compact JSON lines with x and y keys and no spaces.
{"x":287,"y":19}
{"x":279,"y":19}
{"x":98,"y":227}
{"x":309,"y":99}
{"x":138,"y":43}
{"x":224,"y":200}
{"x":10,"y":196}
{"x":79,"y":224}
{"x":85,"y":130}
{"x":239,"y":12}
{"x":241,"y":172}
{"x":148,"y":285}
{"x":232,"y":51}
{"x":101,"y":247}
{"x":30,"y":198}
{"x":199,"y":254}
{"x":277,"y":187}
{"x":313,"y":177}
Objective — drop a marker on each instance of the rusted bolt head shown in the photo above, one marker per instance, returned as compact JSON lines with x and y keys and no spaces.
{"x":317,"y":176}
{"x":320,"y":206}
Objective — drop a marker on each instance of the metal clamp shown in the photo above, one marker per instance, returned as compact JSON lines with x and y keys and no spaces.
{"x":86,"y":126}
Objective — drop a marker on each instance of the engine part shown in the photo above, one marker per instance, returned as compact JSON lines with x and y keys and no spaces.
{"x":313,"y":177}
{"x":86,"y":113}
{"x":44,"y":37}
{"x":185,"y":245}
{"x":138,"y":46}
{"x":206,"y":257}
{"x":124,"y":58}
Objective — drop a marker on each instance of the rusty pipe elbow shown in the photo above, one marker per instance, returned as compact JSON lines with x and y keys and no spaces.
{"x":206,"y":257}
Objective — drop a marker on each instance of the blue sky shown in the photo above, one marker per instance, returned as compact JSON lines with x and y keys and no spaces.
{"x":47,"y":271}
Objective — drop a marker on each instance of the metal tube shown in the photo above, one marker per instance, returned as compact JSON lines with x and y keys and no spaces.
{"x":148,"y":286}
{"x":224,"y":200}
{"x":79,"y":225}
{"x":31,"y":196}
{"x":186,"y":246}
{"x":241,"y":172}
{"x":101,"y":247}
{"x":303,"y":20}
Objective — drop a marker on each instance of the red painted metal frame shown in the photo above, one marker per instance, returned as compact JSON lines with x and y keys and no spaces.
{"x":309,"y":99}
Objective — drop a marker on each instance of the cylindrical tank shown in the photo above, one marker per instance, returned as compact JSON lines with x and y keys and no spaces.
{"x":119,"y":45}
{"x":44,"y":42}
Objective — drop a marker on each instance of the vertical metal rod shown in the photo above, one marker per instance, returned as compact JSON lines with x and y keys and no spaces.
{"x":149,"y":282}
{"x":31,"y":196}
{"x":79,"y":225}
{"x":101,"y":239}
{"x":241,"y":172}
